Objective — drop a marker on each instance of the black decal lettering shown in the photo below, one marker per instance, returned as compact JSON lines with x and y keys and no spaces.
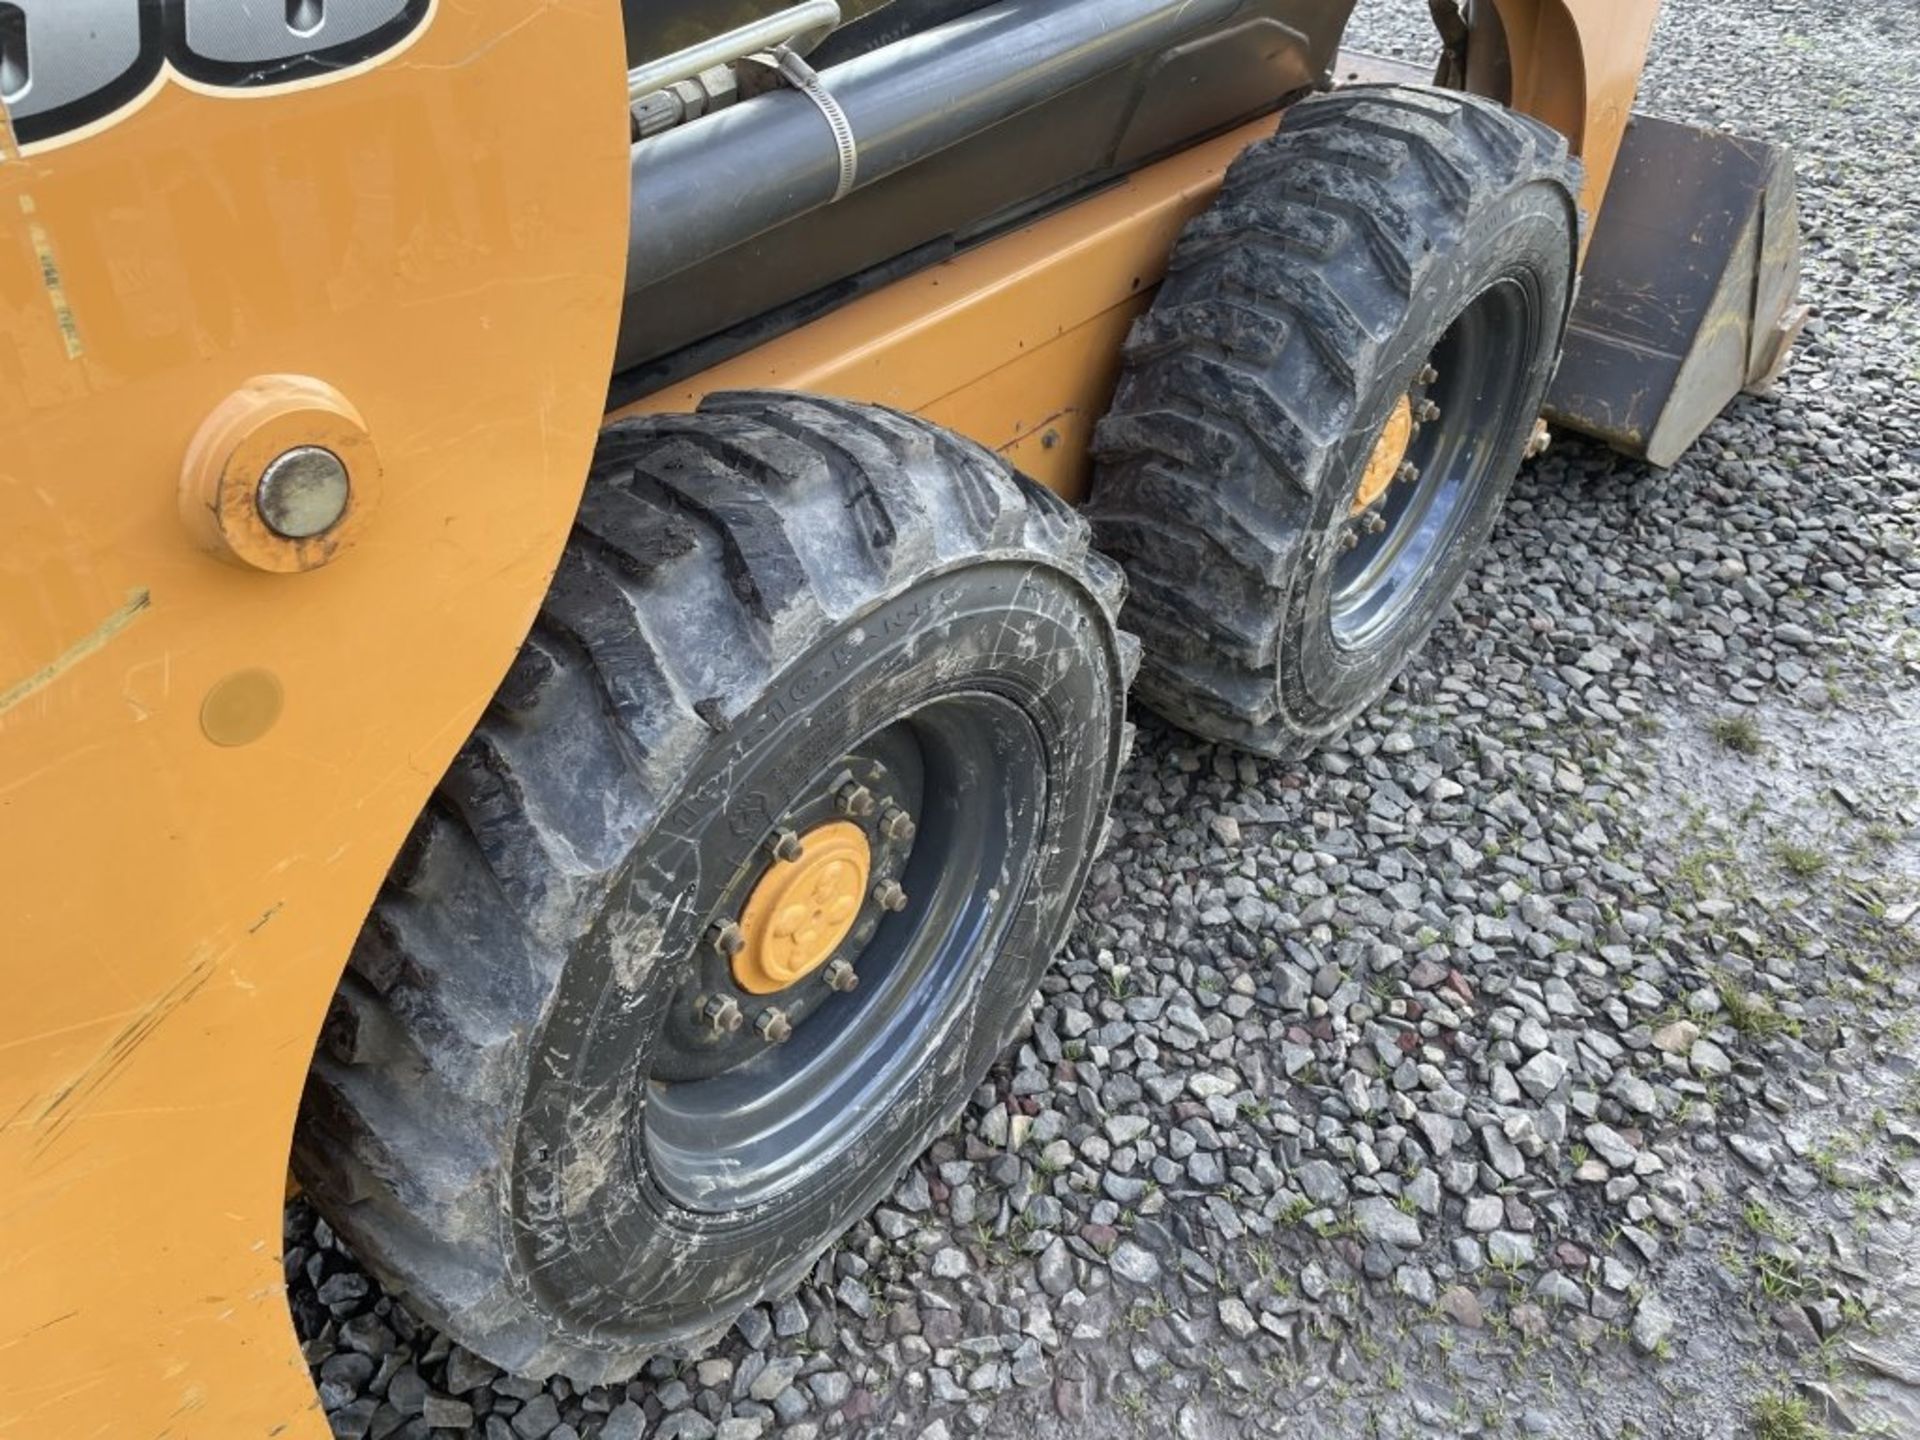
{"x":65,"y":64}
{"x":250,"y":43}
{"x":69,"y":63}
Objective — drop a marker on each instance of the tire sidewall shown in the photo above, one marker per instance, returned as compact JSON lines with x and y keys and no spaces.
{"x":1523,"y":237}
{"x":599,"y":1247}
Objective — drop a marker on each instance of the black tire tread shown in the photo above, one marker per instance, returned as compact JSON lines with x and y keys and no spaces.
{"x":1220,"y":435}
{"x":711,"y":550}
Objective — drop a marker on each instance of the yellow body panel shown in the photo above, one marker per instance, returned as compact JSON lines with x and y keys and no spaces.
{"x":1015,"y":344}
{"x":206,"y":766}
{"x":174,"y":912}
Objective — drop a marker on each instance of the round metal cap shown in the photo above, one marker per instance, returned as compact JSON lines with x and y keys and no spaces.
{"x":304,"y":492}
{"x":801,"y":910}
{"x":1388,"y":454}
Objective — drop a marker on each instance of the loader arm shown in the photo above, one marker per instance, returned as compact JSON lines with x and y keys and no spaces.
{"x":1692,"y":249}
{"x":1574,"y":63}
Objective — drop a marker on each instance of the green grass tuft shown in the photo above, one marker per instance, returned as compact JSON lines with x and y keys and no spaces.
{"x":1738,"y":733}
{"x":1785,"y":1417}
{"x":1803,"y":862}
{"x":1750,"y":1013}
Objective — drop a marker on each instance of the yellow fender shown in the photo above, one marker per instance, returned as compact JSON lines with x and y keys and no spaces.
{"x":212,"y":737}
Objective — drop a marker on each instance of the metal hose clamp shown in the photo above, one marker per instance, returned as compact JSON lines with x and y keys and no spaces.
{"x":804,"y":78}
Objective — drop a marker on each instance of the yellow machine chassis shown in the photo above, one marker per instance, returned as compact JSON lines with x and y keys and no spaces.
{"x":212,"y":742}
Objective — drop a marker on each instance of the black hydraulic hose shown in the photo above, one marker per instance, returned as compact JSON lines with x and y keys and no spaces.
{"x":720,"y":181}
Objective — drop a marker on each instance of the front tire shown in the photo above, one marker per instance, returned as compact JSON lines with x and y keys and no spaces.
{"x":550,"y":1107}
{"x":1395,"y":265}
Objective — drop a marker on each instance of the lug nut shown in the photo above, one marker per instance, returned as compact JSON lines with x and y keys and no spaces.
{"x":1376,"y":522}
{"x":1429,"y":375}
{"x":840,"y":976}
{"x":728,"y":938}
{"x":890,"y":896}
{"x":1408,"y":473}
{"x":855,"y":799}
{"x":722,"y":1014}
{"x":1349,"y":538}
{"x":1429,"y":410}
{"x":897,"y":824}
{"x":774,"y":1026}
{"x":786,"y":845}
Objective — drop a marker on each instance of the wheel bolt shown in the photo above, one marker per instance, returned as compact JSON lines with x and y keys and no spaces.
{"x":786,"y":845}
{"x":1429,"y":410}
{"x":897,"y":824}
{"x":1376,"y":522}
{"x":855,"y":799}
{"x":722,"y":1014}
{"x":1349,"y":538}
{"x":840,"y":976}
{"x":774,"y":1026}
{"x":890,"y":896}
{"x":1408,"y":473}
{"x":1429,"y":375}
{"x":728,"y":938}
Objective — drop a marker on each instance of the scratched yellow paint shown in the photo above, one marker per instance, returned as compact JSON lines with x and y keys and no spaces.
{"x":94,"y":641}
{"x":50,"y":278}
{"x":174,"y":914}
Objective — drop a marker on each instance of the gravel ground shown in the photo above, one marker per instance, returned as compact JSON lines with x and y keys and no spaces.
{"x":1540,"y":1060}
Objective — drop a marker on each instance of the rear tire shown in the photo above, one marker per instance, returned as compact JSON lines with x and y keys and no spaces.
{"x":1384,"y":227}
{"x":521,"y":1116}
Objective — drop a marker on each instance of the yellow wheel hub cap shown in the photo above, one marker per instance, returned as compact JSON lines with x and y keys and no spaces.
{"x":1388,"y":455}
{"x":802,"y":909}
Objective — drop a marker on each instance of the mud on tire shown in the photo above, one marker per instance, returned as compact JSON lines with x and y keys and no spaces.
{"x":751,"y":596}
{"x":1340,"y":256}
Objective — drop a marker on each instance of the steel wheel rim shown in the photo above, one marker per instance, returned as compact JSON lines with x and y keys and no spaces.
{"x":1481,"y":363}
{"x":739,"y":1138}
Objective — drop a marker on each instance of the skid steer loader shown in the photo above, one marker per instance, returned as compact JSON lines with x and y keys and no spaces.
{"x":571,"y":582}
